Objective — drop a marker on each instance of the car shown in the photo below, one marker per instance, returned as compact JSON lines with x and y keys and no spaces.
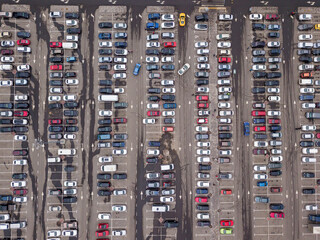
{"x":225,"y":17}
{"x":305,"y":17}
{"x":272,"y":17}
{"x":24,"y":67}
{"x":119,"y":208}
{"x":255,"y":16}
{"x":103,"y":233}
{"x":167,"y":17}
{"x":276,"y":215}
{"x":226,"y":223}
{"x":184,"y":68}
{"x":152,"y":26}
{"x":23,"y":42}
{"x":153,"y":16}
{"x":201,"y":27}
{"x":166,"y":25}
{"x":226,"y":231}
{"x":224,"y":44}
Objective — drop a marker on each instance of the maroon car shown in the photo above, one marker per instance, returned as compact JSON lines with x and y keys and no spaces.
{"x":259,"y":151}
{"x":20,"y":152}
{"x":20,"y":192}
{"x":7,"y":52}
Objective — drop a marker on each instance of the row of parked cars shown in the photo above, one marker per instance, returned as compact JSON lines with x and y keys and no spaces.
{"x":266,"y":108}
{"x":63,"y":107}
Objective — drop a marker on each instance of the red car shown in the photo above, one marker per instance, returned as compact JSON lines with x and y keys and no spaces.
{"x":274,"y":121}
{"x":225,"y":191}
{"x":202,"y":98}
{"x":203,"y":105}
{"x":318,"y":135}
{"x":102,"y":233}
{"x":23,"y":42}
{"x":201,"y":199}
{"x":21,"y":113}
{"x":7,"y":52}
{"x":170,"y":44}
{"x":56,"y":44}
{"x":272,"y":17}
{"x":20,"y":192}
{"x":276,"y":189}
{"x":260,"y":129}
{"x":119,"y":120}
{"x":167,"y":129}
{"x":153,"y":113}
{"x":202,"y":120}
{"x":56,"y":67}
{"x":224,"y":59}
{"x":226,"y":223}
{"x":103,"y":225}
{"x":277,"y":215}
{"x":54,"y":121}
{"x":258,"y":113}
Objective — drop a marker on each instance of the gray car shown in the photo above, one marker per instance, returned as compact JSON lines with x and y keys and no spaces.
{"x":225,"y":175}
{"x":201,"y":74}
{"x":223,"y":74}
{"x":152,"y":192}
{"x":258,"y":52}
{"x":153,"y":184}
{"x":261,"y":199}
{"x":224,"y":66}
{"x":202,"y":136}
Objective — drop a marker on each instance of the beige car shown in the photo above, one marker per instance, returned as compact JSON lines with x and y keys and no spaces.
{"x":5,"y":34}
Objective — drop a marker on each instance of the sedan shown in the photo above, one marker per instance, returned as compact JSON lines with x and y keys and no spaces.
{"x":224,"y":44}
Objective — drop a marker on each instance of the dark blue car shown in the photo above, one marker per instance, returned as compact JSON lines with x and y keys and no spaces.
{"x":6,"y":198}
{"x":105,"y":36}
{"x":153,"y":16}
{"x":118,"y":144}
{"x":169,"y":105}
{"x":246,"y":127}
{"x":136,"y":69}
{"x":152,"y":26}
{"x":202,"y":191}
{"x":154,"y":144}
{"x":259,"y":120}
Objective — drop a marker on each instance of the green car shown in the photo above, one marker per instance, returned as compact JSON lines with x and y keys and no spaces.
{"x":226,"y":230}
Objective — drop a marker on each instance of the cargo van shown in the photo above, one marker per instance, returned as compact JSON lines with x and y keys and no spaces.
{"x":54,"y":159}
{"x":108,"y":98}
{"x":6,"y":14}
{"x":4,"y":226}
{"x":167,"y":167}
{"x":305,"y":82}
{"x":312,"y":115}
{"x":109,"y":168}
{"x":71,"y":152}
{"x":18,"y":225}
{"x":69,"y":45}
{"x":160,"y":208}
{"x":6,"y":67}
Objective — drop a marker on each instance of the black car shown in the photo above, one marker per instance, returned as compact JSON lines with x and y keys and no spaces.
{"x":203,"y":207}
{"x":203,"y":224}
{"x":106,"y":90}
{"x":21,"y":15}
{"x":274,"y":128}
{"x":168,"y":120}
{"x":305,"y":59}
{"x":152,"y":160}
{"x":167,"y":67}
{"x":276,"y":206}
{"x":103,"y":176}
{"x":273,"y":35}
{"x":23,"y":75}
{"x":56,"y":59}
{"x":259,"y":59}
{"x":120,"y":44}
{"x":70,"y":113}
{"x":315,"y":51}
{"x":258,"y":44}
{"x":6,"y":105}
{"x":52,"y":106}
{"x":56,"y":83}
{"x":70,"y":104}
{"x":74,"y":30}
{"x":19,"y":176}
{"x":308,"y":175}
{"x":70,"y":74}
{"x":55,"y":129}
{"x":171,"y":224}
{"x":120,"y":176}
{"x":225,"y":135}
{"x":168,"y":97}
{"x":104,"y":129}
{"x":105,"y":51}
{"x":167,"y":51}
{"x":69,"y":199}
{"x":275,"y":173}
{"x":272,"y":83}
{"x":105,"y":36}
{"x":106,"y":67}
{"x":154,"y":90}
{"x":274,"y":75}
{"x":72,"y":15}
{"x":23,"y":34}
{"x":304,"y":51}
{"x":258,"y":26}
{"x":152,"y":52}
{"x":20,"y":129}
{"x":69,"y":168}
{"x":104,"y":121}
{"x":305,"y":27}
{"x":275,"y":52}
{"x":105,"y":82}
{"x":201,"y":18}
{"x":258,"y":90}
{"x":21,"y":105}
{"x":153,"y":98}
{"x":105,"y":25}
{"x":5,"y":129}
{"x":5,"y":121}
{"x":151,"y":67}
{"x":204,"y":167}
{"x":259,"y":74}
{"x":71,"y":129}
{"x":308,"y":191}
{"x":104,"y":184}
{"x":306,"y":144}
{"x":317,"y":143}
{"x":202,"y":82}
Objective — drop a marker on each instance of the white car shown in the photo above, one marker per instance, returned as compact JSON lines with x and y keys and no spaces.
{"x":226,"y":113}
{"x":273,"y":44}
{"x":69,"y":136}
{"x":20,"y":162}
{"x":203,"y":216}
{"x":225,"y":89}
{"x":260,"y":176}
{"x":203,"y":159}
{"x":305,"y":37}
{"x":201,"y":27}
{"x":103,"y":113}
{"x":224,"y":44}
{"x":120,"y":25}
{"x":105,"y":44}
{"x":309,"y":150}
{"x":168,"y":113}
{"x":276,"y":159}
{"x":20,"y":199}
{"x":7,"y":59}
{"x":184,"y":69}
{"x":203,"y":184}
{"x":53,"y":233}
{"x":308,"y":127}
{"x":307,"y":90}
{"x":260,"y":167}
{"x":69,"y":233}
{"x":119,"y":151}
{"x":225,"y":17}
{"x":308,"y":159}
{"x":152,"y":59}
{"x":316,"y":59}
{"x":167,"y":82}
{"x":104,"y":216}
{"x":70,"y":191}
{"x":24,"y":67}
{"x":273,"y":90}
{"x":149,"y":121}
{"x":118,"y":90}
{"x":168,"y":90}
{"x":155,"y":152}
{"x":203,"y":113}
{"x":53,"y":98}
{"x":7,"y":43}
{"x":201,"y":44}
{"x":20,"y":137}
{"x":255,"y":16}
{"x":203,"y":144}
{"x":203,"y":51}
{"x":153,"y":105}
{"x":21,"y":97}
{"x":259,"y":67}
{"x":73,"y":38}
{"x":120,"y":67}
{"x":225,"y":120}
{"x":118,"y":192}
{"x":70,"y":97}
{"x":308,"y":105}
{"x":105,"y":159}
{"x":167,"y":17}
{"x":72,"y":81}
{"x":18,"y":184}
{"x":119,"y":232}
{"x":55,"y":208}
{"x":203,"y":152}
{"x":305,"y":17}
{"x":311,"y":207}
{"x":24,"y":49}
{"x":119,"y":75}
{"x":205,"y":66}
{"x":166,"y":199}
{"x":119,"y":208}
{"x":166,"y":25}
{"x":274,"y":99}
{"x":224,"y":105}
{"x":167,"y":59}
{"x":6,"y":83}
{"x":120,"y":60}
{"x":153,"y":44}
{"x":203,"y":90}
{"x":71,"y":22}
{"x":202,"y":129}
{"x":224,"y":82}
{"x":274,"y":113}
{"x":305,"y":67}
{"x":70,"y":183}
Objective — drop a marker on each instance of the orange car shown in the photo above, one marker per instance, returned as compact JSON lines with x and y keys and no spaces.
{"x":167,"y":129}
{"x":306,"y":74}
{"x":225,"y":191}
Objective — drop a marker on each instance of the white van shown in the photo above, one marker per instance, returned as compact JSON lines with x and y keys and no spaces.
{"x":167,"y":167}
{"x":64,"y":151}
{"x":109,"y":168}
{"x":69,"y":45}
{"x":108,"y":98}
{"x":6,"y":67}
{"x":305,"y":82}
{"x":18,"y":225}
{"x":160,"y":208}
{"x":4,"y":226}
{"x":54,"y":159}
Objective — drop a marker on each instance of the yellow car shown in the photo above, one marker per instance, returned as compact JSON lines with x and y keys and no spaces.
{"x":182,"y":19}
{"x":317,"y":26}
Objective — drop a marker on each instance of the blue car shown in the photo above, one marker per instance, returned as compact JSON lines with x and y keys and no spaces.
{"x":152,"y":26}
{"x":169,"y":105}
{"x":105,"y":36}
{"x":6,"y":198}
{"x":71,"y":59}
{"x":153,"y":16}
{"x":136,"y":69}
{"x":154,"y":144}
{"x":262,"y":184}
{"x":202,"y":191}
{"x":246,"y":126}
{"x":259,"y":120}
{"x":118,"y":144}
